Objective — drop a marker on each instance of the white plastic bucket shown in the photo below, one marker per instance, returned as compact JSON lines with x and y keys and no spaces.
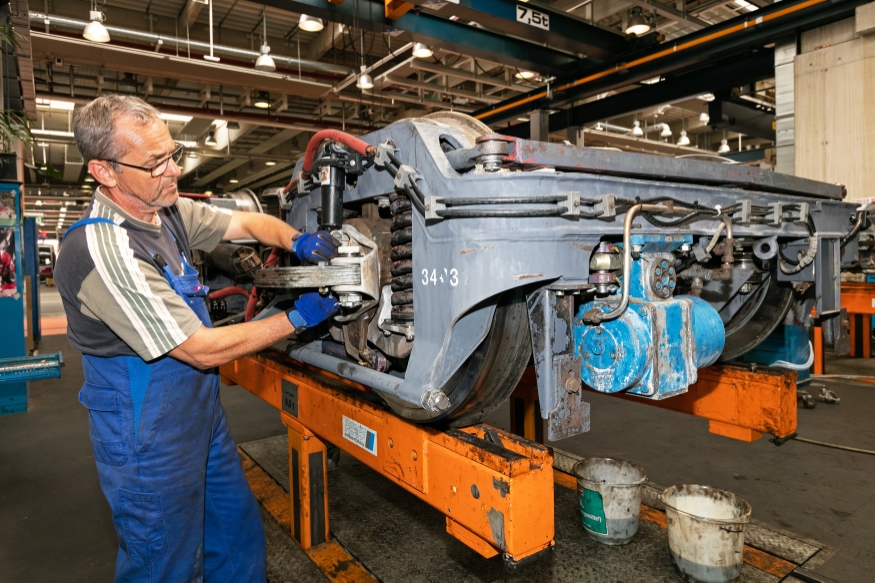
{"x":610,"y":498}
{"x":705,"y":532}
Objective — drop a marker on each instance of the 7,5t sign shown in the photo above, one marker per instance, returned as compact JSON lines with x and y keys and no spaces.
{"x":531,"y":17}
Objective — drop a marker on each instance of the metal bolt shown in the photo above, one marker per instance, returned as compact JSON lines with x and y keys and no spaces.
{"x":572,"y":385}
{"x":598,"y":330}
{"x":428,"y":207}
{"x":391,"y":442}
{"x":658,"y":271}
{"x":613,"y":355}
{"x":408,"y":337}
{"x":386,"y":333}
{"x":434,"y":400}
{"x":414,"y":455}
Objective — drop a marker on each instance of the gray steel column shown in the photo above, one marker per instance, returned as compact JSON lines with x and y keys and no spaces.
{"x":785,"y":110}
{"x":540,"y":126}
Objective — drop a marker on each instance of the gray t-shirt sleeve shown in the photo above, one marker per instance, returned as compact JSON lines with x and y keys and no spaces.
{"x":136,"y":303}
{"x":206,"y":224}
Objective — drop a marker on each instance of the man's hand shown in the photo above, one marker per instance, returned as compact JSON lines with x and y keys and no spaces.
{"x":314,"y":247}
{"x":312,"y":309}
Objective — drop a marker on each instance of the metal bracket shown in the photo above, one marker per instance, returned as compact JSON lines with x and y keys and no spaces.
{"x":742,"y":215}
{"x":572,"y":204}
{"x":381,"y":159}
{"x":606,"y":207}
{"x":432,"y":206}
{"x":556,"y":367}
{"x":406,"y":176}
{"x":798,"y":213}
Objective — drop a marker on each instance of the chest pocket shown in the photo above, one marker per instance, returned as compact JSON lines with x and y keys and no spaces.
{"x":106,"y":423}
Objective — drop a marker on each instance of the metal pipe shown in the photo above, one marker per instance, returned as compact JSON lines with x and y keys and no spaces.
{"x":312,"y":354}
{"x":354,"y":75}
{"x":75,"y":25}
{"x":627,"y":259}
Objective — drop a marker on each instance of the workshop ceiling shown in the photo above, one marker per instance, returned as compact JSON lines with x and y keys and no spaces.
{"x":158,"y":47}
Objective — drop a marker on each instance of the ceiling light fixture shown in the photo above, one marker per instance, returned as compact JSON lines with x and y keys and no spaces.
{"x":89,"y":179}
{"x":208,"y":192}
{"x":94,"y":30}
{"x":210,"y":140}
{"x":265,"y":61}
{"x":262,"y":100}
{"x":364,"y":81}
{"x":724,"y":145}
{"x":704,"y":117}
{"x":310,"y":23}
{"x":233,"y":181}
{"x":666,"y":131}
{"x":421,"y":51}
{"x":525,"y":75}
{"x":637,"y":24}
{"x":636,"y":129}
{"x":39,"y":203}
{"x":270,"y":163}
{"x":683,"y":140}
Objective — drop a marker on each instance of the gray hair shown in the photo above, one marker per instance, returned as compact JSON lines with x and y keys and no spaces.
{"x":94,"y":124}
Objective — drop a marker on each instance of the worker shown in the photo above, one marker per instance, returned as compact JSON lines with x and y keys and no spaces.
{"x":167,"y":463}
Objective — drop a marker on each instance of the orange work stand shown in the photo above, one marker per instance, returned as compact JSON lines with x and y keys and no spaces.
{"x":858,"y":299}
{"x":494,"y":488}
{"x":738,"y":402}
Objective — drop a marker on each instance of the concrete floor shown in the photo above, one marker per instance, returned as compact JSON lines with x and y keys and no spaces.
{"x":56,"y":524}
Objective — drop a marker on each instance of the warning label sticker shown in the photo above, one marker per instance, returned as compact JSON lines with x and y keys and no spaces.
{"x":361,"y":435}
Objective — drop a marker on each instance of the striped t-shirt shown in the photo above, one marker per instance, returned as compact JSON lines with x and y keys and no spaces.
{"x":114,"y":293}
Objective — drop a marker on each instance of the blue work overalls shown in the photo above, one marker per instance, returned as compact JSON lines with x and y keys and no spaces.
{"x":168,"y":466}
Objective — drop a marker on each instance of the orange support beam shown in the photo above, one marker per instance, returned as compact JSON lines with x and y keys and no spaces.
{"x":396,"y":8}
{"x":490,"y":484}
{"x":737,"y":402}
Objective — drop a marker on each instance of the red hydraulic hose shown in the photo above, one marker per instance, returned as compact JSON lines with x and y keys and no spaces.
{"x":253,"y":296}
{"x":353,"y":142}
{"x":290,"y":185}
{"x":229,"y":291}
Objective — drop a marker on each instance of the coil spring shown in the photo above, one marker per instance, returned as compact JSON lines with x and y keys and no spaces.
{"x":402,"y":258}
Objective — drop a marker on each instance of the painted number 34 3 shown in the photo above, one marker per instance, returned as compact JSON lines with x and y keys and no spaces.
{"x":436,"y":276}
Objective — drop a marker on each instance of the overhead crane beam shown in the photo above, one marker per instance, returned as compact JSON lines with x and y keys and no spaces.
{"x":717,"y":76}
{"x":558,"y":30}
{"x":737,"y":36}
{"x":456,"y":36}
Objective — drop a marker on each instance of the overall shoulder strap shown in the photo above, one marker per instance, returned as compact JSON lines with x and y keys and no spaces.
{"x":84,"y":222}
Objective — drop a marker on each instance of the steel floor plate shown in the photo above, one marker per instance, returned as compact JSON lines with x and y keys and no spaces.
{"x":399,"y":538}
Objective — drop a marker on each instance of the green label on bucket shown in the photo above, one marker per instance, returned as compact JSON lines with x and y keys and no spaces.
{"x":592,"y":511}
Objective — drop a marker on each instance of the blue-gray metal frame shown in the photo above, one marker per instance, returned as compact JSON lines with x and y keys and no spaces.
{"x":462,"y":266}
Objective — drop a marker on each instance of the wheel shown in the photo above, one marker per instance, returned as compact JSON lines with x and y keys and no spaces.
{"x":748,"y":327}
{"x":809,"y":402}
{"x":489,"y":375}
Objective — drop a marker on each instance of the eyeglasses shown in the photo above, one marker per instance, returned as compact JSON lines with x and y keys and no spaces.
{"x":159,"y":167}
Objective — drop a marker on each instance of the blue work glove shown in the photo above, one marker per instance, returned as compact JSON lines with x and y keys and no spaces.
{"x":314,"y":247}
{"x":312,"y":309}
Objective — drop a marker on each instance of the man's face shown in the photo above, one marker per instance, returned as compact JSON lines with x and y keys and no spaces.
{"x":146,"y":146}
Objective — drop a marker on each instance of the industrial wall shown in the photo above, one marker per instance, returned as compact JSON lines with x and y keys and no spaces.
{"x":835,"y":103}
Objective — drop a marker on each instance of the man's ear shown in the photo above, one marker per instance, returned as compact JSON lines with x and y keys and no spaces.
{"x":102,"y":172}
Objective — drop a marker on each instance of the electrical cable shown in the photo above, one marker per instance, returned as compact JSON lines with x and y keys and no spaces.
{"x":792,"y":366}
{"x":834,"y":446}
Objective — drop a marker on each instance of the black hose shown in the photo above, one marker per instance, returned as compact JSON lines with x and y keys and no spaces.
{"x":535,"y":199}
{"x":861,"y":220}
{"x":504,"y":213}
